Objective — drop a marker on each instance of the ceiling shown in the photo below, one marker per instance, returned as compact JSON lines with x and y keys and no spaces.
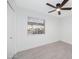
{"x":40,"y":6}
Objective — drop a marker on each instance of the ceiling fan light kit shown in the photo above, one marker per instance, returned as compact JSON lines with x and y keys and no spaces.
{"x":59,"y":7}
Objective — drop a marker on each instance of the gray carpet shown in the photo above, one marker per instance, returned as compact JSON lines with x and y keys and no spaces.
{"x":56,"y":50}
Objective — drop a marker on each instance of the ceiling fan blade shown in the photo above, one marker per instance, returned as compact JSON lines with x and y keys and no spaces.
{"x":50,"y":5}
{"x":59,"y":13}
{"x":63,"y":3}
{"x":69,"y":8}
{"x":51,"y":11}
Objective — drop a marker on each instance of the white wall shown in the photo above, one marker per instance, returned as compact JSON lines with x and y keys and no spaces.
{"x":66,"y":29}
{"x":25,"y":41}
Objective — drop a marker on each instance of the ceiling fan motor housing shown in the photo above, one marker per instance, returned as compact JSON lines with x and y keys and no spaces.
{"x":58,"y":4}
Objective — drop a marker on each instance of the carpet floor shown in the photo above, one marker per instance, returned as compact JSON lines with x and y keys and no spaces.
{"x":56,"y":50}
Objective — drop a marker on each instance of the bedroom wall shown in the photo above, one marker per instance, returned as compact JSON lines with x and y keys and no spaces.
{"x":66,"y":29}
{"x":25,"y":41}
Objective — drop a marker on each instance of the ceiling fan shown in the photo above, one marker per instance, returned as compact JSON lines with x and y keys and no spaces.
{"x":59,"y":7}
